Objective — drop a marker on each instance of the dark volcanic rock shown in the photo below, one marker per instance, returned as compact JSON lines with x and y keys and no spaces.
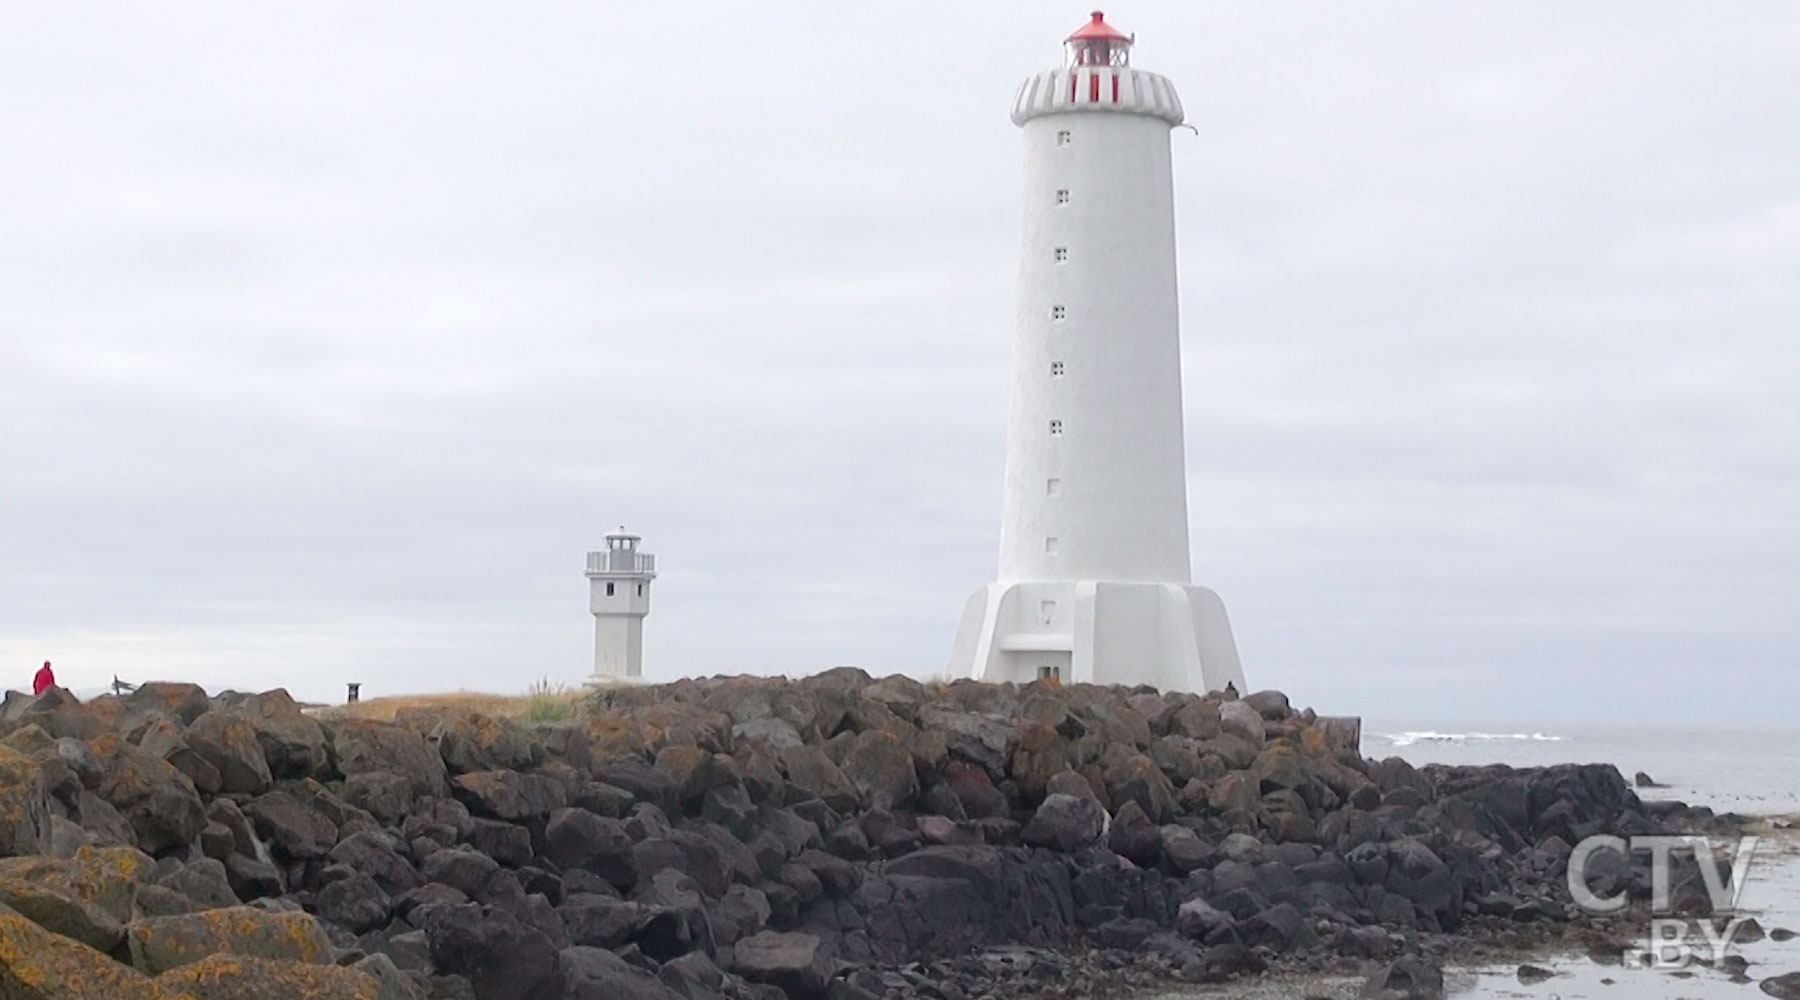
{"x":576,"y":838}
{"x":159,"y":802}
{"x":734,"y":838}
{"x":505,"y":958}
{"x":1408,"y":978}
{"x":1785,"y":987}
{"x":228,"y":742}
{"x":1065,"y":823}
{"x":471,"y":741}
{"x":801,"y":964}
{"x":597,"y":974}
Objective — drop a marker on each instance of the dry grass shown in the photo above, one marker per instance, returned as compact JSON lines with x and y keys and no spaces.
{"x":542,"y":702}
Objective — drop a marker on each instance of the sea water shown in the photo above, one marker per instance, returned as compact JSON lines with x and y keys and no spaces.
{"x":1743,"y":769}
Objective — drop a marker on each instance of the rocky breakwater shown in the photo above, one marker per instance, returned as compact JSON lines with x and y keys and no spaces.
{"x":839,"y":837}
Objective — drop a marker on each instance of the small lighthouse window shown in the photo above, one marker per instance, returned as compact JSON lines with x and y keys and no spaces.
{"x":1063,"y":138}
{"x":609,"y":590}
{"x":1062,"y":196}
{"x":1055,"y":431}
{"x":640,"y":590}
{"x":1061,"y":254}
{"x":1049,"y":673}
{"x":1053,"y":487}
{"x":1056,"y":369}
{"x":1059,"y":313}
{"x":1050,"y":545}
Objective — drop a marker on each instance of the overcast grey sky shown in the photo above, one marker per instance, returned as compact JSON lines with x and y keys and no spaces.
{"x":333,"y":334}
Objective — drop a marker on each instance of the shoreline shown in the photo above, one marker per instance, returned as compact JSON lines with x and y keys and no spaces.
{"x":838,"y":836}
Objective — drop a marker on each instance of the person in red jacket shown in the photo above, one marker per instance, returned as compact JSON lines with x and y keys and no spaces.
{"x":44,"y":681}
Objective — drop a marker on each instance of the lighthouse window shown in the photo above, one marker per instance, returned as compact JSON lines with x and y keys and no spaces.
{"x":1053,"y":487}
{"x":1056,"y":369}
{"x":609,"y":590}
{"x":1049,"y":673}
{"x":1062,"y":196}
{"x":1046,"y":611}
{"x":1063,"y":137}
{"x":1050,"y":545}
{"x":1059,"y":313}
{"x":1055,"y":431}
{"x":640,"y":590}
{"x":1061,"y":254}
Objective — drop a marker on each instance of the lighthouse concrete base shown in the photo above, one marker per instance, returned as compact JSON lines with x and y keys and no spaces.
{"x":1172,"y":636}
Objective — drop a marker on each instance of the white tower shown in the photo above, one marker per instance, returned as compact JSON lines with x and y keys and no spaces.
{"x":1094,"y":582}
{"x":619,"y":596}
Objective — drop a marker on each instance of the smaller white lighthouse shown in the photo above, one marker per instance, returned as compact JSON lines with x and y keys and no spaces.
{"x":619,"y":580}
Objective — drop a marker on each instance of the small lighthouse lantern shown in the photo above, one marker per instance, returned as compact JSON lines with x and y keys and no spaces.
{"x":1097,"y":43}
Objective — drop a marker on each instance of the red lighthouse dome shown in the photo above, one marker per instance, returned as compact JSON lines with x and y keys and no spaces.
{"x":1097,"y":43}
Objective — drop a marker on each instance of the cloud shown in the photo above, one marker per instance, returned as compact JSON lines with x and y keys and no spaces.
{"x":330,"y":338}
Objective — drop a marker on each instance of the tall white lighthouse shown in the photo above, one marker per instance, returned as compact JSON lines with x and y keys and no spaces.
{"x":619,"y":580}
{"x":1094,"y":582}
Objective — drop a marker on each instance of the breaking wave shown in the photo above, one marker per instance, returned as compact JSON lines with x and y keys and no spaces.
{"x":1411,"y":738}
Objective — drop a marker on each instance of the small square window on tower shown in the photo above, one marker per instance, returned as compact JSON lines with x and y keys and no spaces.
{"x":1062,"y":196}
{"x":609,"y":590}
{"x":1049,"y":673}
{"x":1063,"y":138}
{"x":1056,"y":428}
{"x":1053,"y":487}
{"x":1051,"y":544}
{"x":1061,"y":254}
{"x":1046,"y":611}
{"x":1059,"y":313}
{"x":1056,"y":369}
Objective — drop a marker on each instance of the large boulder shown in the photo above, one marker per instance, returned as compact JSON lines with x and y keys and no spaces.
{"x":48,"y":899}
{"x":1409,"y":977}
{"x":1272,"y":705}
{"x":694,"y":771}
{"x":1242,"y":721}
{"x":386,"y":767}
{"x":801,"y":964}
{"x":158,"y":800}
{"x":89,"y":896}
{"x":509,"y":795}
{"x":598,"y":974}
{"x":576,"y":838}
{"x":293,"y":742}
{"x":178,"y":700}
{"x":24,"y":805}
{"x":294,"y":824}
{"x":355,"y":902}
{"x":61,"y":714}
{"x":810,"y":770}
{"x":974,"y":790}
{"x":239,"y":977}
{"x":36,"y":964}
{"x":1138,"y":779}
{"x":1416,"y":873}
{"x":1065,"y":823}
{"x":882,"y":769}
{"x":379,"y":855}
{"x":228,"y":742}
{"x":505,"y":958}
{"x":472,"y":741}
{"x":158,"y":944}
